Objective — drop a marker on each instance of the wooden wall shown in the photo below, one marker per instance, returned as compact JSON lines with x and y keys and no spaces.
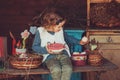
{"x":16,"y":15}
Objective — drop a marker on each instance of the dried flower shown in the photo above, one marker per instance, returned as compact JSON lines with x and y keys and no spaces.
{"x":24,"y":35}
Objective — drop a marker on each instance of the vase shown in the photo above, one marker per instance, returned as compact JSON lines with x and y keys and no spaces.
{"x":20,"y":51}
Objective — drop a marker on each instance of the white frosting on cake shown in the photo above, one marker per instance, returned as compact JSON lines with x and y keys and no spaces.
{"x":83,"y":52}
{"x":76,"y":53}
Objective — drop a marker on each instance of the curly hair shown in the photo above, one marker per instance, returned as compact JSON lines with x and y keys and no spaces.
{"x":51,"y":18}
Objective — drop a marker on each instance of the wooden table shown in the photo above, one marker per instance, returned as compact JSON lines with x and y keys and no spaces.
{"x":107,"y":66}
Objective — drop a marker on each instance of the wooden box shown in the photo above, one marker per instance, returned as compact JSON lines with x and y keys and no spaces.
{"x":109,"y":45}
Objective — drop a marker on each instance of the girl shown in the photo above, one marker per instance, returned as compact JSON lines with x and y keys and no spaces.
{"x":51,"y":31}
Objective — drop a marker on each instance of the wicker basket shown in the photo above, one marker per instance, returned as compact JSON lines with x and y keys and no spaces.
{"x":32,"y":61}
{"x":95,"y":59}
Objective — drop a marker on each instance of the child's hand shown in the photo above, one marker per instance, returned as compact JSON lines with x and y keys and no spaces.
{"x":84,"y":41}
{"x":49,"y":50}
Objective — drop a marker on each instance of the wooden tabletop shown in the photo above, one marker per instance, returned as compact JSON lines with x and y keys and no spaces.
{"x":106,"y":66}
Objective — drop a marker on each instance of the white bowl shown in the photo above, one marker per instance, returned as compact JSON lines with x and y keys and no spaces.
{"x":20,"y":51}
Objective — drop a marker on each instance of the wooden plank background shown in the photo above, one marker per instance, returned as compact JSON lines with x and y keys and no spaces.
{"x":16,"y":15}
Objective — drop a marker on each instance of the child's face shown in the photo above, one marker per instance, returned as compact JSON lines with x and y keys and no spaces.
{"x":58,"y":27}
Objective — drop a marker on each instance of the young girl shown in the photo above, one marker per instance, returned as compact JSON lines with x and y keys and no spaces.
{"x":51,"y":31}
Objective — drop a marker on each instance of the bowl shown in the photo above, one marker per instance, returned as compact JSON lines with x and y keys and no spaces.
{"x":56,"y":47}
{"x":58,"y":51}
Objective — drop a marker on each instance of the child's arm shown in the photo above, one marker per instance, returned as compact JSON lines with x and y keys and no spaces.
{"x":36,"y":46}
{"x":73,"y":40}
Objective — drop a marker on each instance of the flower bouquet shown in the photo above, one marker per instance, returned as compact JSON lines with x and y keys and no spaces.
{"x":22,"y":48}
{"x":20,"y":45}
{"x":20,"y":58}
